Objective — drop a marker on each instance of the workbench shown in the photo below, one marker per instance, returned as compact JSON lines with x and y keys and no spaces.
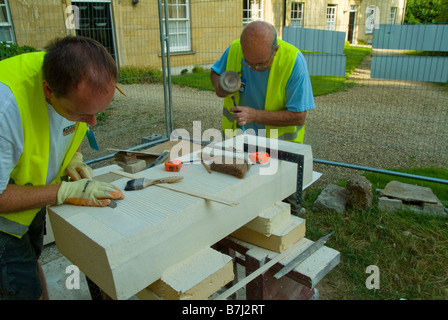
{"x":122,"y":250}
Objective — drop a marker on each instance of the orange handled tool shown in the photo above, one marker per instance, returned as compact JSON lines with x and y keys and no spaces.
{"x":259,"y":157}
{"x":173,"y":165}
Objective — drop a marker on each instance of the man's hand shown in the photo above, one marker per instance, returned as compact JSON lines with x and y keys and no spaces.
{"x":244,"y":115}
{"x":77,"y":169}
{"x":214,"y":79}
{"x":88,"y":193}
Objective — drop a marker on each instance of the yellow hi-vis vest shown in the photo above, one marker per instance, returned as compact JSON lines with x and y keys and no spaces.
{"x":23,"y":75}
{"x":279,"y":74}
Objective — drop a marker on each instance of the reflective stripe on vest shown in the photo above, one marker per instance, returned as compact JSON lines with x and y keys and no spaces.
{"x":23,"y":75}
{"x":279,"y":74}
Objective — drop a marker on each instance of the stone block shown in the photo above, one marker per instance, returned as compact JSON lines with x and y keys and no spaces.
{"x":280,"y":240}
{"x":331,"y":198}
{"x":358,"y":191}
{"x":135,"y":167}
{"x":388,"y":204}
{"x":271,"y":219}
{"x":195,"y":278}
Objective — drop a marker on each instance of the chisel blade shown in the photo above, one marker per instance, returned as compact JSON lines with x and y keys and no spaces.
{"x":303,"y":256}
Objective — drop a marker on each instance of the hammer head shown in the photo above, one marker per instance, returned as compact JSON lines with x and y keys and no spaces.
{"x":229,"y":82}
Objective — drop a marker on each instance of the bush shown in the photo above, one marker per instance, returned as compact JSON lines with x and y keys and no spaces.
{"x":197,"y":69}
{"x":130,"y":75}
{"x":8,"y":50}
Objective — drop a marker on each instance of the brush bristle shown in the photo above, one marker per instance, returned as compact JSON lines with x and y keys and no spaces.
{"x":231,"y":166}
{"x":135,"y":184}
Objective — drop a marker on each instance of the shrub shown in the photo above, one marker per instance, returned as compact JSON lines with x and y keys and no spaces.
{"x":8,"y":50}
{"x":197,"y":69}
{"x":130,"y":75}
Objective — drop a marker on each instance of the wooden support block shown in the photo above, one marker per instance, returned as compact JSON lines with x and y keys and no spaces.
{"x":280,"y":240}
{"x":195,"y":278}
{"x":126,"y":158}
{"x":271,"y":219}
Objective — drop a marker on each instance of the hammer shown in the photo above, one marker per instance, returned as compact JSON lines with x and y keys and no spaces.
{"x":230,"y":82}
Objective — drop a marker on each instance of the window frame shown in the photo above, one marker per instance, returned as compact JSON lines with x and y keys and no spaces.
{"x":392,"y":15}
{"x":176,"y":46}
{"x":8,"y":23}
{"x":252,"y":14}
{"x":298,"y":11}
{"x":330,"y":18}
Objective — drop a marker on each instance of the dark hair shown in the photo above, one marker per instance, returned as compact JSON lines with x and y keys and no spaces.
{"x":72,"y":59}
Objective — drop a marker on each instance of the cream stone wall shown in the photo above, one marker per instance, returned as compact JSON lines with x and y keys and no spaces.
{"x":315,"y":14}
{"x":213,"y":25}
{"x":37,"y":22}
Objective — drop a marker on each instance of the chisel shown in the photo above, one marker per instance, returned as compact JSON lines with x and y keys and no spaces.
{"x":303,"y":256}
{"x":160,"y":159}
{"x":235,"y":104}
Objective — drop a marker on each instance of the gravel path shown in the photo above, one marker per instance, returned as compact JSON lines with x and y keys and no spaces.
{"x":376,"y":123}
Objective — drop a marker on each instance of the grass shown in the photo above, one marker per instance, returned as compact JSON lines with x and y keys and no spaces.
{"x":321,"y":84}
{"x":410,"y":250}
{"x":130,"y":75}
{"x":198,"y":80}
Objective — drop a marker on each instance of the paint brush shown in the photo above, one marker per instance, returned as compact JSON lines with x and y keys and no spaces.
{"x":141,"y":183}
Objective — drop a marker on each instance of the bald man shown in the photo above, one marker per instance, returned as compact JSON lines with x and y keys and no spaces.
{"x":276,"y":88}
{"x":275,"y":95}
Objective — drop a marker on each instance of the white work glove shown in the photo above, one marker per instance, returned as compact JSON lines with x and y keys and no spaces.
{"x":88,"y":193}
{"x":77,"y":169}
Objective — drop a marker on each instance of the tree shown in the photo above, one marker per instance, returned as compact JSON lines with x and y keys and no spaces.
{"x":425,"y":11}
{"x":442,"y":16}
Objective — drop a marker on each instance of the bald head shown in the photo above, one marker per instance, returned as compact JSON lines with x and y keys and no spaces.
{"x":259,"y":45}
{"x":259,"y":34}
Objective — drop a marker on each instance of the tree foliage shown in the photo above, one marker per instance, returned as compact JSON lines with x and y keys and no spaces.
{"x":426,"y":11}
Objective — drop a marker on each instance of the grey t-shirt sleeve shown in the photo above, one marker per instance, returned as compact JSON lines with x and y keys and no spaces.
{"x":11,"y":135}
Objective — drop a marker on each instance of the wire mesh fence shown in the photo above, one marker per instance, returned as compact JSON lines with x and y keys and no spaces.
{"x":380,"y":88}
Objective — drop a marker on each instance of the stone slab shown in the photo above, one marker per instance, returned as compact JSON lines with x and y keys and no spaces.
{"x":408,"y":192}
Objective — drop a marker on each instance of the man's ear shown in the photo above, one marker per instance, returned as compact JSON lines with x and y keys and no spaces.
{"x":47,"y":90}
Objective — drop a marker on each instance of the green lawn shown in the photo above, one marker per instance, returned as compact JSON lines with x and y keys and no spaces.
{"x":410,"y":250}
{"x":321,"y":85}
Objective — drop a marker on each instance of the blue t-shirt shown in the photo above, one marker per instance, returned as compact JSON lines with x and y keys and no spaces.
{"x":299,"y":93}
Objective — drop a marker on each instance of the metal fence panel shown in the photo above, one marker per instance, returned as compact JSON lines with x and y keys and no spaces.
{"x":432,"y":69}
{"x":411,"y":37}
{"x":358,"y":119}
{"x":316,"y":40}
